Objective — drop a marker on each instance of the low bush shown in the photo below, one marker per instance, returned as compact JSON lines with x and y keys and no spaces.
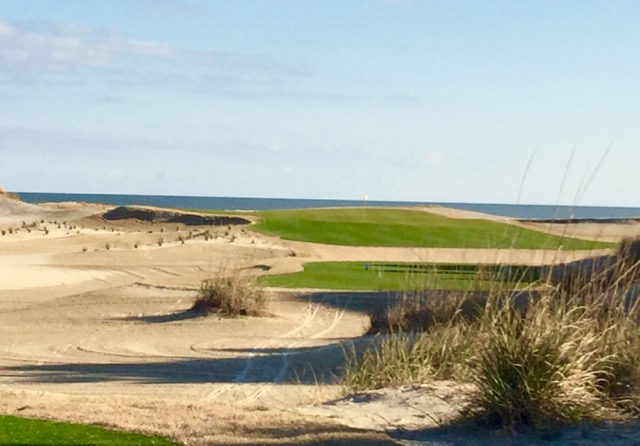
{"x":231,"y":295}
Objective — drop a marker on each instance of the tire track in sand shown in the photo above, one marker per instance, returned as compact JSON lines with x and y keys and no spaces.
{"x":339,"y":314}
{"x":241,"y":376}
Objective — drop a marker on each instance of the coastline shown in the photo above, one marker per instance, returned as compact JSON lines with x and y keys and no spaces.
{"x":533,"y":212}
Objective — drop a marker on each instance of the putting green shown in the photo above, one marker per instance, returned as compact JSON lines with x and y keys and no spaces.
{"x":406,"y":228}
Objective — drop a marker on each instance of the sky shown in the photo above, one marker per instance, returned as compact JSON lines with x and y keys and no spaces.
{"x":439,"y":101}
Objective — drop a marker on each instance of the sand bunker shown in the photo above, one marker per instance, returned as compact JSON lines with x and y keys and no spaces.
{"x":96,"y":327}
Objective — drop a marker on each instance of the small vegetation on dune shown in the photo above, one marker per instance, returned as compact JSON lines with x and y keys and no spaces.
{"x":231,"y":295}
{"x":402,"y":228}
{"x":561,"y":357}
{"x":24,"y":431}
{"x":11,"y":195}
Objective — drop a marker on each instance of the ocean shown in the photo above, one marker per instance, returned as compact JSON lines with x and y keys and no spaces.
{"x":521,"y":211}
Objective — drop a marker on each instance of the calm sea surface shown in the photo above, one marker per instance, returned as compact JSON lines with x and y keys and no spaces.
{"x":231,"y":203}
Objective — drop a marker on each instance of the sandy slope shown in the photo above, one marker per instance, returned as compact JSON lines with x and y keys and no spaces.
{"x":94,"y":327}
{"x":606,"y":232}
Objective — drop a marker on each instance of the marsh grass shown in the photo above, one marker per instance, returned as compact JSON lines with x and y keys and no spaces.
{"x":231,"y":294}
{"x":570,"y":353}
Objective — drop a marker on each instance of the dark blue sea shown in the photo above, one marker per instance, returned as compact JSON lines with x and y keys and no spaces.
{"x":521,"y":211}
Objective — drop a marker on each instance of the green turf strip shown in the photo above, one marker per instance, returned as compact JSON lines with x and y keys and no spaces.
{"x":396,"y":276}
{"x":404,"y":228}
{"x":24,"y":431}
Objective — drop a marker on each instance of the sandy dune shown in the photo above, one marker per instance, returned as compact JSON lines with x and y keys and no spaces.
{"x":95,"y":327}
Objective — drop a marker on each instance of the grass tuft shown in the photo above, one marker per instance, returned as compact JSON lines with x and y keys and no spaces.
{"x":231,"y":295}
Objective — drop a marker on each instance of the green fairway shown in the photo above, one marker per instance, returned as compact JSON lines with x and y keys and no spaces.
{"x":406,"y":228}
{"x":387,"y":276}
{"x":24,"y":431}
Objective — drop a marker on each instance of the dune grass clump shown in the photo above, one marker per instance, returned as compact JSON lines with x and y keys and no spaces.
{"x":10,"y":195}
{"x":424,"y":336}
{"x":409,"y":358}
{"x":231,"y":295}
{"x":541,"y":368}
{"x":420,"y":311}
{"x":570,"y":354}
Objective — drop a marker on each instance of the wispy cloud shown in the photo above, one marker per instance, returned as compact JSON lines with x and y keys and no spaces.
{"x":65,"y":47}
{"x":28,"y":52}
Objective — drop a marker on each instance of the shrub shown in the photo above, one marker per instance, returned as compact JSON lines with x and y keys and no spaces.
{"x":233,"y":295}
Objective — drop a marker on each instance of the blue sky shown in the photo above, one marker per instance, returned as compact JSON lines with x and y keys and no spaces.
{"x":459,"y":101}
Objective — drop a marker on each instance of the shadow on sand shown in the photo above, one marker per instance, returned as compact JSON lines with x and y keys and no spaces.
{"x":290,"y":364}
{"x":300,"y":365}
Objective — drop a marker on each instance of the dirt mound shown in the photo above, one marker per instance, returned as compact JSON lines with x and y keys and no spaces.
{"x":157,"y":216}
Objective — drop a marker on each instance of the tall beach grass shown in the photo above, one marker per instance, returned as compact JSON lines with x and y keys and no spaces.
{"x":566,"y":351}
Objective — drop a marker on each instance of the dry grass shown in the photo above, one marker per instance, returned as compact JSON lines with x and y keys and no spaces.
{"x":571,"y":353}
{"x":11,"y":195}
{"x":420,"y":311}
{"x":231,"y":295}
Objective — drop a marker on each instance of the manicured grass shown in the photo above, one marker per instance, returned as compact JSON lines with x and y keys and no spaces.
{"x":386,"y":276}
{"x":404,"y":228}
{"x":24,"y":431}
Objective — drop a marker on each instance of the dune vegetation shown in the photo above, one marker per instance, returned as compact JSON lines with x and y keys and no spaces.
{"x":407,"y":228}
{"x":11,"y":195}
{"x":562,"y":355}
{"x":230,"y":294}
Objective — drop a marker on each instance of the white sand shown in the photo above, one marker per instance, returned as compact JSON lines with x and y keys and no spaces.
{"x":94,"y":329}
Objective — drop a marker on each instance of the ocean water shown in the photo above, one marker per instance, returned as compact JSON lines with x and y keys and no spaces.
{"x":522,"y":211}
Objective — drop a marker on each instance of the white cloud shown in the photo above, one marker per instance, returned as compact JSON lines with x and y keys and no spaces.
{"x":6,"y":29}
{"x":68,"y":47}
{"x":36,"y":53}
